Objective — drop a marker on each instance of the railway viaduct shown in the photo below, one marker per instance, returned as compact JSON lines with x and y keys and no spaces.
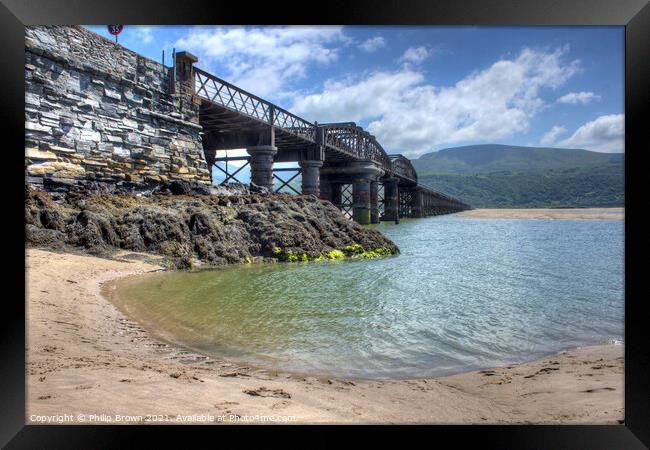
{"x":97,"y":111}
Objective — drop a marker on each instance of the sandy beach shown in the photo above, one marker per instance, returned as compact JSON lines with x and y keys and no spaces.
{"x":550,"y":213}
{"x":88,"y":363}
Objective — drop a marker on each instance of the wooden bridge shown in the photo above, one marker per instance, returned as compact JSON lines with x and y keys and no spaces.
{"x":339,"y":162}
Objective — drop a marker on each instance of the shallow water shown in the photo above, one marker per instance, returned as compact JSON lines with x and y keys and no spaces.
{"x":464,"y":294}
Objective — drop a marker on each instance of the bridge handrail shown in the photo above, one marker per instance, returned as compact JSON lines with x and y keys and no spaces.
{"x":357,"y":142}
{"x":250,"y":104}
{"x":402,"y":166}
{"x":431,"y":190}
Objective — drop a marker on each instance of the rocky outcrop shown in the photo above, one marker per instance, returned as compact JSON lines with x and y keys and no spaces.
{"x":194,"y":228}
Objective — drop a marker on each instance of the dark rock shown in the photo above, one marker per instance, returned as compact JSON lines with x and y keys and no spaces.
{"x":259,"y":189}
{"x":180,"y":188}
{"x":190,"y":229}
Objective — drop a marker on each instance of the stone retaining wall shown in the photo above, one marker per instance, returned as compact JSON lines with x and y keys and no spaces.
{"x":97,"y":111}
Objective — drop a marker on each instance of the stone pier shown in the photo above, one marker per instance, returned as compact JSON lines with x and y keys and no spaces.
{"x":360,"y":174}
{"x":311,"y":177}
{"x":391,"y":199}
{"x":374,"y":202}
{"x":416,"y":203}
{"x":361,"y":200}
{"x":262,"y":165}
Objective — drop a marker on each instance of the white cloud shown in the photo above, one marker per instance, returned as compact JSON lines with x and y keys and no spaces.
{"x":373,"y":44}
{"x":263,"y":60}
{"x":552,"y":135}
{"x":143,"y":34}
{"x":413,"y":117}
{"x":603,"y":134}
{"x":357,"y":99}
{"x":414,"y":55}
{"x":574,"y":98}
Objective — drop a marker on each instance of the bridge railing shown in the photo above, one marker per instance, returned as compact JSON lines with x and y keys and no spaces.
{"x":402,"y":167}
{"x":220,"y":92}
{"x":429,"y":190}
{"x":355,"y":141}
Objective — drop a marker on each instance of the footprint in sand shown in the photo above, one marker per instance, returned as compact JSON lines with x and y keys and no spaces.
{"x":266,"y":392}
{"x":281,"y":404}
{"x":225,"y":404}
{"x":600,"y":389}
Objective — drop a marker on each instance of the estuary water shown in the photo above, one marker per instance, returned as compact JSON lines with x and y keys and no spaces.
{"x":464,"y":294}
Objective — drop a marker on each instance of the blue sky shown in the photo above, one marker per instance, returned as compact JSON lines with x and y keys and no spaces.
{"x":421,"y":89}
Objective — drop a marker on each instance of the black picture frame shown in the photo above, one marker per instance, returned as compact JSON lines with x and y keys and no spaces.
{"x":633,"y":14}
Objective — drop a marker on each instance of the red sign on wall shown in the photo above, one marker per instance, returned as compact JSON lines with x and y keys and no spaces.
{"x":115,"y":29}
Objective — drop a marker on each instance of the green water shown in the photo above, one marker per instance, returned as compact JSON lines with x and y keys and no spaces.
{"x":464,"y":294}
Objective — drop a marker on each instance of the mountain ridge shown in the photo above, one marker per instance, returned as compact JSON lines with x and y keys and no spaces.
{"x":504,"y":176}
{"x":487,"y":158}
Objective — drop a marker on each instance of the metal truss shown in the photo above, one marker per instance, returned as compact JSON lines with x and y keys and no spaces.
{"x":230,"y":175}
{"x":405,"y":202}
{"x":402,"y":167}
{"x":442,"y":199}
{"x":229,"y":96}
{"x":355,"y":141}
{"x":380,"y":199}
{"x":347,"y":200}
{"x":285,"y":183}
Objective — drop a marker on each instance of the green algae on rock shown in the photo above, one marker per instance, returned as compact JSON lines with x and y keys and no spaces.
{"x":197,"y":230}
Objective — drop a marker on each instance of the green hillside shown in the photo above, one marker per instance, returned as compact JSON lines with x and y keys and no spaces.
{"x":499,"y":158}
{"x":525,"y":177}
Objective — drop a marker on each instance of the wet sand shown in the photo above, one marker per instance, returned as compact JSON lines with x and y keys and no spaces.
{"x":88,"y":363}
{"x":550,"y":213}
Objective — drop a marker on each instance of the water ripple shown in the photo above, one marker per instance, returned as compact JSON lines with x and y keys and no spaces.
{"x":464,"y":293}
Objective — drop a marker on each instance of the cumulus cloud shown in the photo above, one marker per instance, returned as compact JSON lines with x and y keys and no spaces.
{"x":575,"y":98}
{"x":603,"y":134}
{"x":407,"y":115}
{"x":552,"y":135}
{"x":263,"y":60}
{"x":373,"y":44}
{"x":357,"y":99}
{"x":143,"y":34}
{"x":414,"y":55}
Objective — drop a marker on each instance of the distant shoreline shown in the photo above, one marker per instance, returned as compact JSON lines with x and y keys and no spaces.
{"x":86,"y":358}
{"x":547,"y":213}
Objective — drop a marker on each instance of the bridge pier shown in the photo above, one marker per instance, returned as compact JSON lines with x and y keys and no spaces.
{"x":391,"y":199}
{"x":363,"y":176}
{"x":374,"y":201}
{"x":416,"y":203}
{"x":311,"y":177}
{"x":361,"y":201}
{"x":262,"y":165}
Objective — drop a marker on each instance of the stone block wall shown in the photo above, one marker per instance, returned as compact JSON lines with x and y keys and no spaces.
{"x":97,"y":111}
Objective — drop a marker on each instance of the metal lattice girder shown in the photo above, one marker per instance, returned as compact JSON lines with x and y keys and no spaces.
{"x":443,"y":199}
{"x":220,"y":92}
{"x":285,"y":183}
{"x":402,"y":168}
{"x":354,"y":140}
{"x":230,"y":175}
{"x":346,"y":200}
{"x":405,"y":203}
